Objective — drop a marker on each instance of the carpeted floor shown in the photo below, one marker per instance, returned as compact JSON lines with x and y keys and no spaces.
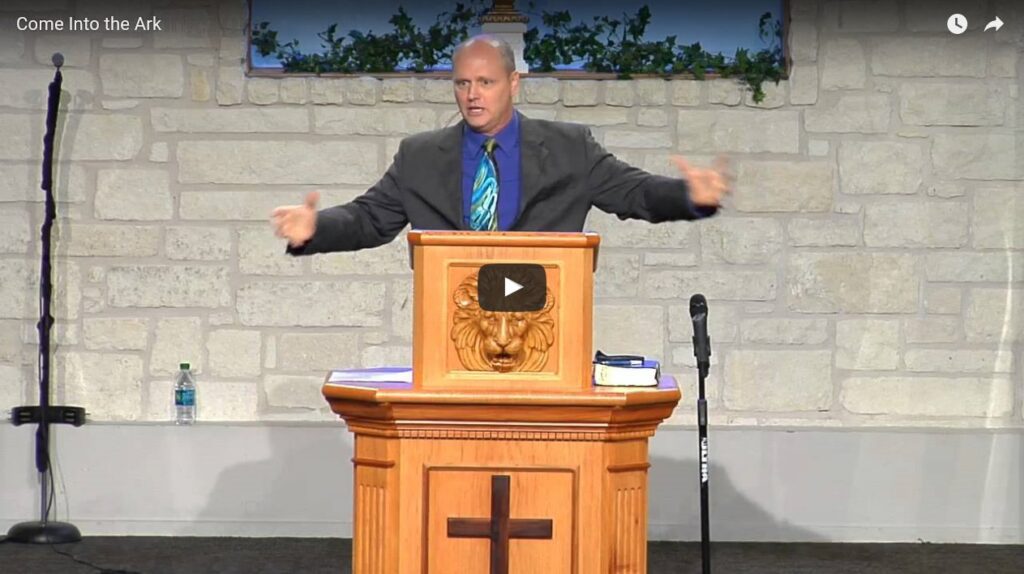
{"x":158,"y":555}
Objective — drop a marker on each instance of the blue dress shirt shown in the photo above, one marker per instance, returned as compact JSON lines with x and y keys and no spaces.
{"x":506,"y":156}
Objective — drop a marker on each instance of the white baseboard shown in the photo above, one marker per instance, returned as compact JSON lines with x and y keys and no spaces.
{"x":823,"y":485}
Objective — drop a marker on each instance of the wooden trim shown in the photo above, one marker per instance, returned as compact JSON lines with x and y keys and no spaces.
{"x":629,"y":467}
{"x":373,"y":463}
{"x":503,"y":239}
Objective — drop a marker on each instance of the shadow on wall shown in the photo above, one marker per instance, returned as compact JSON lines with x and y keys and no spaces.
{"x":674,"y":506}
{"x":302,"y":488}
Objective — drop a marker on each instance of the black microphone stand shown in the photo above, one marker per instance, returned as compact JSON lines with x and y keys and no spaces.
{"x":702,"y":351}
{"x":45,"y":531}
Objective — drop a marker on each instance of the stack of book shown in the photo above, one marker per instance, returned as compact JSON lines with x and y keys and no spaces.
{"x":625,"y":371}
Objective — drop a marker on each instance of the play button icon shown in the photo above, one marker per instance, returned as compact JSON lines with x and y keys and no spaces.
{"x":512,"y":287}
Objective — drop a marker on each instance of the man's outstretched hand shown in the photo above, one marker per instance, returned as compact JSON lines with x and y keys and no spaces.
{"x":708,"y":186}
{"x":296,"y":223}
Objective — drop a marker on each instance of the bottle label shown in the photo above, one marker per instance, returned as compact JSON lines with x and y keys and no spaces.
{"x":185,"y":397}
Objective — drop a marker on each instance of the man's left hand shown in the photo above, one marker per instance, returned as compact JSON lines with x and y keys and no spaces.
{"x":708,"y":186}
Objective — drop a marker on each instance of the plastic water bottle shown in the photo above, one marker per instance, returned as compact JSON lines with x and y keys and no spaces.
{"x":185,"y":396}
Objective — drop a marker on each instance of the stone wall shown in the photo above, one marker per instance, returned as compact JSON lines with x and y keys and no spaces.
{"x":866,"y":272}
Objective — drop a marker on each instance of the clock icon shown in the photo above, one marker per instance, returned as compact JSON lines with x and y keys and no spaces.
{"x":957,"y":24}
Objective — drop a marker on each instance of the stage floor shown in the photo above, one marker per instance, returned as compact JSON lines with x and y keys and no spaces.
{"x":157,"y":555}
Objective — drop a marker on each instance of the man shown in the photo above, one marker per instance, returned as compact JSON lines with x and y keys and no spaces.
{"x":497,"y":170}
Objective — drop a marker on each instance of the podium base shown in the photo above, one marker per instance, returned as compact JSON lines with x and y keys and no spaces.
{"x":36,"y":532}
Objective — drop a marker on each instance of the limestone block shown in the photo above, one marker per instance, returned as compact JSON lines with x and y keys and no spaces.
{"x":686,"y":92}
{"x":669,"y":259}
{"x":12,"y":42}
{"x":232,"y":49}
{"x":619,"y":275}
{"x":942,"y":299}
{"x":373,"y":121}
{"x":13,"y":390}
{"x":723,"y":324}
{"x":781,"y":331}
{"x":311,"y":304}
{"x":247,"y":205}
{"x":104,"y":137}
{"x":541,"y":90}
{"x":260,"y":252}
{"x":15,"y":235}
{"x":107,"y":385}
{"x":937,"y":56}
{"x":638,"y":139}
{"x":740,"y":240}
{"x":293,"y":90}
{"x":777,"y":186}
{"x":91,"y":240}
{"x":632,"y":233}
{"x":952,"y":104}
{"x":76,"y":48}
{"x":579,"y":92}
{"x":803,"y":84}
{"x":880,"y":167}
{"x":868,"y":344}
{"x":714,"y":283}
{"x":435,"y":91}
{"x":803,"y":41}
{"x":997,"y":220}
{"x":852,"y":283}
{"x":230,"y":85}
{"x":594,"y":116}
{"x":231,"y":14}
{"x":263,"y":91}
{"x":982,"y":361}
{"x":652,"y":117}
{"x":390,"y":259}
{"x":387,"y":356}
{"x":632,"y":329}
{"x":994,"y":315}
{"x":774,"y":96}
{"x":954,"y":266}
{"x":29,"y":89}
{"x":778,"y":380}
{"x":177,"y":340}
{"x":234,"y":353}
{"x":142,"y":75}
{"x":863,"y":15}
{"x":294,"y":391}
{"x":843,"y":65}
{"x":115,"y":333}
{"x":200,"y":85}
{"x":838,"y":231}
{"x":227,"y":401}
{"x":915,"y":224}
{"x":741,"y":131}
{"x":122,"y":42}
{"x":726,"y":91}
{"x":651,"y":91}
{"x":18,"y":142}
{"x":168,"y":286}
{"x":306,"y":352}
{"x":159,"y":152}
{"x":852,"y":113}
{"x":291,"y":162}
{"x":400,"y":303}
{"x":1002,"y":62}
{"x":619,"y":93}
{"x":928,"y":396}
{"x":183,"y":28}
{"x":986,"y":156}
{"x":11,"y":345}
{"x":362,"y":91}
{"x":926,"y":330}
{"x":195,"y":243}
{"x":133,"y":194}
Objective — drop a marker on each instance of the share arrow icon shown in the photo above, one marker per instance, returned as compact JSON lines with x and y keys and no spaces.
{"x":997,"y":24}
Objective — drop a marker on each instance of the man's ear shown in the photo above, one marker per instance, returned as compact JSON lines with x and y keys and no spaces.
{"x":513,"y":79}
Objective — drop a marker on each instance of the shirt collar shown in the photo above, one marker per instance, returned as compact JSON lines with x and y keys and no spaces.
{"x":508,"y":137}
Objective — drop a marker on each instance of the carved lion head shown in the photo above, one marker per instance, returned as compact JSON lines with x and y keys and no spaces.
{"x":497,"y":341}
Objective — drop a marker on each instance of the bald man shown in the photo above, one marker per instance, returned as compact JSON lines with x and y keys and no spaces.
{"x":497,"y":170}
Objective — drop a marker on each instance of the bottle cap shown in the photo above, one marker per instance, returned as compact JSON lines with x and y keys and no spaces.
{"x":184,"y":366}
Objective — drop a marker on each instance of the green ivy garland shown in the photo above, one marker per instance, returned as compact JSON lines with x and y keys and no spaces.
{"x":605,"y":46}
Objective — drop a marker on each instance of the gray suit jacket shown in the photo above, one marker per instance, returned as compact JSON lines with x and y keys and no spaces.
{"x":563,"y":173}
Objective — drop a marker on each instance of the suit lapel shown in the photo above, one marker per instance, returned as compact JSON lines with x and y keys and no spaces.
{"x":532,"y":163}
{"x":449,"y":170}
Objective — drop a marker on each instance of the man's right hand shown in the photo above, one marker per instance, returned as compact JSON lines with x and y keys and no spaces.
{"x":296,"y":223}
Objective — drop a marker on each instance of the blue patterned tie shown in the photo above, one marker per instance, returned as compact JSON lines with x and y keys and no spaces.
{"x":484,"y":201}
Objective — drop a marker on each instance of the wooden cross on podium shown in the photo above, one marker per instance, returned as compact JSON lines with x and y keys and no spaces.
{"x":499,"y":527}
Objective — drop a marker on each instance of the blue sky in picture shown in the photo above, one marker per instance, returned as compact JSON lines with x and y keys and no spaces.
{"x":718,"y":26}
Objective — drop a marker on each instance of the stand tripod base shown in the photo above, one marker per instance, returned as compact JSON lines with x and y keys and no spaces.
{"x":43,"y":533}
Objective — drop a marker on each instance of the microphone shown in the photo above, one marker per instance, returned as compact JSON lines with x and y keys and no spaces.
{"x":701,"y":340}
{"x":57,"y":59}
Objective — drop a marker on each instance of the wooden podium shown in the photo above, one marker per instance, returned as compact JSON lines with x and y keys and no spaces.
{"x":497,"y":455}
